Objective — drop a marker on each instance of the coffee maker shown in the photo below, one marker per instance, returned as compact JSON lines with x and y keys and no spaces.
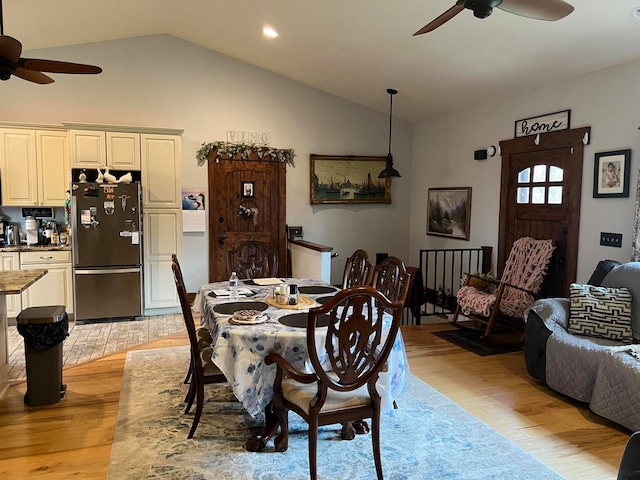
{"x":32,"y":227}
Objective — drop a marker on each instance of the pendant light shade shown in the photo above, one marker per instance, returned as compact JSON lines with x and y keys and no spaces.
{"x":389,"y":171}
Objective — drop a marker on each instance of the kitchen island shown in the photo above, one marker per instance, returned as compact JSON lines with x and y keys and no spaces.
{"x":11,"y":282}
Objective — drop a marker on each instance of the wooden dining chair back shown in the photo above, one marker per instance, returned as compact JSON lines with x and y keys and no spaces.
{"x":499,"y":304}
{"x":342,"y":386}
{"x":203,"y":370}
{"x":392,"y":279}
{"x":252,"y":259}
{"x":357,"y":270}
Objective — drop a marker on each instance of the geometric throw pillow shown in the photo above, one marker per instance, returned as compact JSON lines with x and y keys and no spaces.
{"x":600,"y":312}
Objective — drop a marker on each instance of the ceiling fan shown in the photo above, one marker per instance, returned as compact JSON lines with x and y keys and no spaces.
{"x":539,"y":9}
{"x":31,"y":68}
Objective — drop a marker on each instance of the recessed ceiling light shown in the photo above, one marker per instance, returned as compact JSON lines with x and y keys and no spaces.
{"x":269,"y":32}
{"x":636,"y":12}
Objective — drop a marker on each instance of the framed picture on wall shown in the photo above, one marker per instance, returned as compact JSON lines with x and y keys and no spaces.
{"x":247,"y":190}
{"x":348,"y":179}
{"x":449,"y":212}
{"x":611,"y":174}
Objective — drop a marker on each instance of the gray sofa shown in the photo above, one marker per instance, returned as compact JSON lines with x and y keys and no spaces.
{"x":603,"y":373}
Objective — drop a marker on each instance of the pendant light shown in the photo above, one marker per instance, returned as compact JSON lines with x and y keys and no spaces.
{"x":389,"y":171}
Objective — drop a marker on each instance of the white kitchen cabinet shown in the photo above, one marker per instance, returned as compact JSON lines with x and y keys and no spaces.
{"x":35,"y":167}
{"x":161,"y":171}
{"x":56,"y":287}
{"x":11,"y":261}
{"x":92,"y":149}
{"x":162,"y":237}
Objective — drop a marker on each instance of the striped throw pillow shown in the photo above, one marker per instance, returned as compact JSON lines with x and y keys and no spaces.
{"x":600,"y":312}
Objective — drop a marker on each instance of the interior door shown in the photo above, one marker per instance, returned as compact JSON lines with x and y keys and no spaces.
{"x":255,"y":184}
{"x":540,"y":197}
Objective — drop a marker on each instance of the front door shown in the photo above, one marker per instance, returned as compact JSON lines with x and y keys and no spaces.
{"x":540,"y":197}
{"x":259,"y":186}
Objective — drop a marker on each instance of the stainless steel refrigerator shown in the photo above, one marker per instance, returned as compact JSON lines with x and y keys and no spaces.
{"x":106,"y":239}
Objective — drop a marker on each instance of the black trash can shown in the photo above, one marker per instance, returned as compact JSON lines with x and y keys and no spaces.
{"x":43,"y":329}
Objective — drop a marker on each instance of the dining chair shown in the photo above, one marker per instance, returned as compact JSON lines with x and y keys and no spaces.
{"x":392,"y":279}
{"x":342,"y":386}
{"x":203,"y":370}
{"x":357,"y":270}
{"x":202,"y":333}
{"x":252,"y":259}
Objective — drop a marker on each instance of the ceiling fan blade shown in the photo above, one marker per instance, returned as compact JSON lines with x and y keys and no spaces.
{"x":541,"y":9}
{"x":55,"y":66}
{"x":32,"y":76}
{"x":445,"y":17}
{"x":10,"y":48}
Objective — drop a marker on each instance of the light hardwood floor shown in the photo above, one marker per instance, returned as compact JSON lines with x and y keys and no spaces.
{"x":73,"y":437}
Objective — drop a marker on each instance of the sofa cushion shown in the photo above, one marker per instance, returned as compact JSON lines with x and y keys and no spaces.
{"x":600,"y":312}
{"x":627,"y":275}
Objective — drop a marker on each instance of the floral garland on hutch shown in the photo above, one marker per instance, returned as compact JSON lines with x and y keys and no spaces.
{"x":243,"y":151}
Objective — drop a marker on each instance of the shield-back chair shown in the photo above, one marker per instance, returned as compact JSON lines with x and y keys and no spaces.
{"x":392,"y":279}
{"x":341,"y":388}
{"x":357,"y":270}
{"x":495,"y":305}
{"x":252,"y":259}
{"x":203,"y":370}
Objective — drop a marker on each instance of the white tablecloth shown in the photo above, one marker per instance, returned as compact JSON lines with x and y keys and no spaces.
{"x":239,"y":350}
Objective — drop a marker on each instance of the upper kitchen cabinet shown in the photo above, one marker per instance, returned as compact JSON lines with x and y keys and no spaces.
{"x":93,"y":149}
{"x":35,"y":167}
{"x":161,"y":171}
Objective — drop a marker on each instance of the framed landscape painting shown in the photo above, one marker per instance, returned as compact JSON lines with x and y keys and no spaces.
{"x":449,"y":212}
{"x":348,"y":179}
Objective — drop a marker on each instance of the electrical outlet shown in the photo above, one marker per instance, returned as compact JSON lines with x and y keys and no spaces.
{"x":611,"y":239}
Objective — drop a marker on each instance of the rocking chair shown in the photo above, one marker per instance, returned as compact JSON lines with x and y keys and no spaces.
{"x":495,"y":306}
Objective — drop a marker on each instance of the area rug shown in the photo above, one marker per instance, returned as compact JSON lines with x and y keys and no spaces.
{"x":472,"y":342}
{"x":428,"y":437}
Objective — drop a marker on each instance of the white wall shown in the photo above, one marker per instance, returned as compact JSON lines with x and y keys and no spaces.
{"x":443,"y":148}
{"x":161,"y":81}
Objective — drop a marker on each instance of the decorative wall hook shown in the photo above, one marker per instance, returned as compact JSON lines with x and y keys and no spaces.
{"x":585,"y":139}
{"x":537,"y":139}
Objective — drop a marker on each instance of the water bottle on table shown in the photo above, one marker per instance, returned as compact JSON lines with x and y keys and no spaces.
{"x":233,"y":286}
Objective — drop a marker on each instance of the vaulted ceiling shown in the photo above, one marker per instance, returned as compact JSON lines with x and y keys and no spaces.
{"x":356,"y":49}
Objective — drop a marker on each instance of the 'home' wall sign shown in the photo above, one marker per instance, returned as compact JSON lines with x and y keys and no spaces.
{"x":543,"y":123}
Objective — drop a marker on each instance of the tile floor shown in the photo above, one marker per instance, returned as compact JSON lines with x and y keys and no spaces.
{"x":94,"y":340}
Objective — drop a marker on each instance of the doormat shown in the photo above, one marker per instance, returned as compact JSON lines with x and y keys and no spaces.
{"x":472,"y":342}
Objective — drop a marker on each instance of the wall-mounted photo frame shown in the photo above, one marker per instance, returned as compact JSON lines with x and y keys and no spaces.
{"x":348,"y":179}
{"x":248,"y":190}
{"x":449,"y":212}
{"x":611,"y":174}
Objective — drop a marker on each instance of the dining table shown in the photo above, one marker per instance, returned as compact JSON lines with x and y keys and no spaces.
{"x":239,"y":350}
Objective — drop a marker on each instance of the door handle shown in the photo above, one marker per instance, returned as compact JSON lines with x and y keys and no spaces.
{"x":222,"y":238}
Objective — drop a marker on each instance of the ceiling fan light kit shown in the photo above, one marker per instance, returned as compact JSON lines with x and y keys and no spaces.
{"x":31,"y":69}
{"x":549,"y":10}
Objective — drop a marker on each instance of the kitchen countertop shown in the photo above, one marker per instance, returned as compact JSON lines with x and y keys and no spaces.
{"x":16,"y":281}
{"x":35,"y":248}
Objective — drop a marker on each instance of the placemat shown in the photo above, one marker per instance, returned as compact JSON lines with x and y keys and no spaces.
{"x":299,"y":320}
{"x":303,"y":303}
{"x":316,"y":289}
{"x":230,"y":308}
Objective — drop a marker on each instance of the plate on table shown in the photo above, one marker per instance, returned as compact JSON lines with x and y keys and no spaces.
{"x":316,"y":289}
{"x":248,"y":317}
{"x":323,"y":300}
{"x":232,"y":307}
{"x":299,"y":320}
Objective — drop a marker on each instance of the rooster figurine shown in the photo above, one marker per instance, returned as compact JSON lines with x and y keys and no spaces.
{"x":100,"y":177}
{"x":108,"y":177}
